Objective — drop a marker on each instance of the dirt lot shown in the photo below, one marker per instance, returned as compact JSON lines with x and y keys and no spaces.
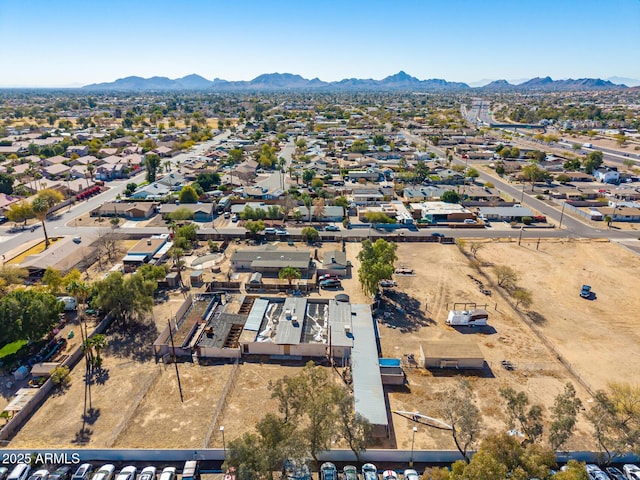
{"x":554,"y":274}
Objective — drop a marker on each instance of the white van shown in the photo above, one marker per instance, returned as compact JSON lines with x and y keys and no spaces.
{"x":20,"y":472}
{"x":70,"y":303}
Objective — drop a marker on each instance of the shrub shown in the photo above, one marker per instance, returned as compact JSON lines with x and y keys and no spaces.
{"x":527,"y":220}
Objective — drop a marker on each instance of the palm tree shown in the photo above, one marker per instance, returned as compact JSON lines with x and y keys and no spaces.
{"x":90,"y":168}
{"x":289,"y":273}
{"x":608,"y":220}
{"x":41,"y":205}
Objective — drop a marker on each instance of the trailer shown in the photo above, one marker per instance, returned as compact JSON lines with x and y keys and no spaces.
{"x":471,"y":317}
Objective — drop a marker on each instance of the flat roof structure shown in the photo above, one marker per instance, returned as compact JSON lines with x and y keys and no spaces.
{"x":289,"y":330}
{"x":368,"y":393}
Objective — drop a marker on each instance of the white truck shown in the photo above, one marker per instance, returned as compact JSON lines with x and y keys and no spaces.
{"x":587,"y":145}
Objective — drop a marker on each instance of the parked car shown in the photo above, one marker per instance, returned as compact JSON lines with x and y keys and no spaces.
{"x":411,"y":474}
{"x":148,"y":473}
{"x":235,"y":218}
{"x":4,"y":472}
{"x":470,"y":221}
{"x":350,"y":472}
{"x":20,"y":472}
{"x":332,"y":228}
{"x":369,"y":472}
{"x":437,"y":234}
{"x":41,"y":474}
{"x":389,"y":475}
{"x":388,"y":283}
{"x":631,"y":471}
{"x":281,"y":232}
{"x":3,"y":219}
{"x":61,"y":473}
{"x":83,"y":472}
{"x":594,"y":472}
{"x":614,"y":473}
{"x":269,"y":231}
{"x":327,"y":276}
{"x":330,"y":283}
{"x":127,"y":473}
{"x":168,"y":473}
{"x":328,"y":471}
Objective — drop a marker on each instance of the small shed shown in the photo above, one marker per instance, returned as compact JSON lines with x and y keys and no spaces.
{"x":256,"y":278}
{"x":195,"y":278}
{"x":21,"y":373}
{"x":451,"y":354}
{"x":172,"y":279}
{"x":43,"y":369}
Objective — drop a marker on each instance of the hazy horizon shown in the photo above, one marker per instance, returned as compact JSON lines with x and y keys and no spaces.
{"x":72,"y":43}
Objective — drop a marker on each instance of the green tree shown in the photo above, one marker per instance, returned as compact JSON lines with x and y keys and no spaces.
{"x":378,"y":217}
{"x":608,"y":219}
{"x":523,"y":297}
{"x":310,"y":234}
{"x":289,"y":274}
{"x":450,"y":196}
{"x":254,"y":226}
{"x":421,"y":171}
{"x":130,"y":188}
{"x":181,"y":214}
{"x":6,"y":183}
{"x":188,"y":194}
{"x":533,"y":173}
{"x":593,"y":161}
{"x":563,"y":178}
{"x":61,"y":376}
{"x":615,"y":417}
{"x":574,"y":471}
{"x":564,"y":414}
{"x":235,"y":155}
{"x":152,"y":163}
{"x":378,"y":140}
{"x":502,"y":456}
{"x":52,"y":278}
{"x":41,"y":206}
{"x":376,"y":263}
{"x":506,"y":277}
{"x":531,"y":421}
{"x":456,"y":407}
{"x":307,"y":176}
{"x":359,"y":146}
{"x":208,"y":180}
{"x":20,"y":212}
{"x":472,"y":173}
{"x":27,"y":314}
{"x":571,"y":164}
{"x":317,"y":183}
{"x":343,"y":202}
{"x":128,"y":298}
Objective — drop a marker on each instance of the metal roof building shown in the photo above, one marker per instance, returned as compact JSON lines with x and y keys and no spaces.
{"x":368,"y":393}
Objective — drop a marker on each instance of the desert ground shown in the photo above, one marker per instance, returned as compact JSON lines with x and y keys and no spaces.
{"x":560,"y":338}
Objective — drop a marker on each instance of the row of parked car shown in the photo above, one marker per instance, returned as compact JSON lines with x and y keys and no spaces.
{"x":86,"y":471}
{"x":328,"y":471}
{"x":628,"y":472}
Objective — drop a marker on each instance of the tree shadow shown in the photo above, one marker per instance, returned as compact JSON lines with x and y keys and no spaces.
{"x":91,"y":416}
{"x":537,"y":318}
{"x":399,"y":310}
{"x":83,"y":435}
{"x":133,"y":341}
{"x":101,"y":376}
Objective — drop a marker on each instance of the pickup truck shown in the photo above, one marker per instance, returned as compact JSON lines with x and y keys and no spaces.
{"x":585,"y":291}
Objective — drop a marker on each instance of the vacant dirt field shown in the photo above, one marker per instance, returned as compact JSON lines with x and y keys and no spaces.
{"x":138,"y":404}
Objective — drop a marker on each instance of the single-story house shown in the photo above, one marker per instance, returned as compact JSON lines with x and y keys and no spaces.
{"x":606,"y":175}
{"x":202,"y":212}
{"x":332,"y":213}
{"x":269,"y":259}
{"x":621,"y":214}
{"x":130,"y":210}
{"x":174,"y":181}
{"x":143,"y":252}
{"x":80,"y":150}
{"x":506,"y":214}
{"x":153,"y":190}
{"x":334,"y":262}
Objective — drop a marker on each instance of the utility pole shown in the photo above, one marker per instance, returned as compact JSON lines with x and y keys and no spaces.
{"x":173,"y":347}
{"x":520,"y":236}
{"x":562,"y":214}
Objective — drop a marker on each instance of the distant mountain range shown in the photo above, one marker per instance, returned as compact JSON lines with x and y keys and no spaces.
{"x":401,"y":81}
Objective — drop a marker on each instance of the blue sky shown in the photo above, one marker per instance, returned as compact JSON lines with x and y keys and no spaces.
{"x":71,"y":43}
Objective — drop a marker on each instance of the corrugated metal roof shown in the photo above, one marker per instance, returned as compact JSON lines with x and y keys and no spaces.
{"x":256,"y":315}
{"x":367,"y":383}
